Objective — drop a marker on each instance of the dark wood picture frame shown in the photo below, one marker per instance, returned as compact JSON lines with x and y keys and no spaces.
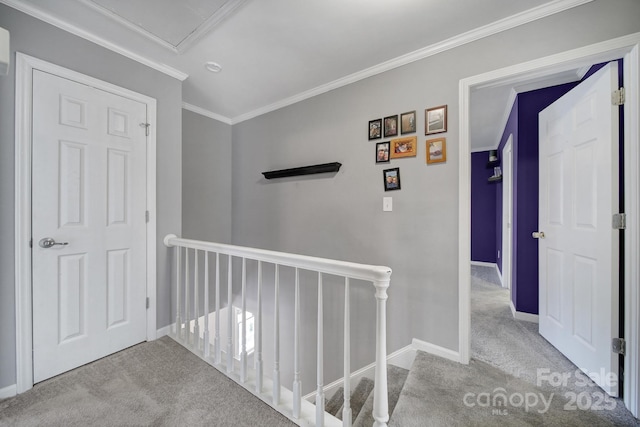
{"x":391,"y":179}
{"x":435,"y":120}
{"x":391,"y":126}
{"x":375,"y":129}
{"x":382,"y":152}
{"x":408,"y":122}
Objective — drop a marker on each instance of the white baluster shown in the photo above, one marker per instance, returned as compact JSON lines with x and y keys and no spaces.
{"x":196,"y":306}
{"x":320,"y":367}
{"x":216,"y":340}
{"x":258,"y":358}
{"x":187,"y":336}
{"x":230,"y":317}
{"x":205,"y":338}
{"x":380,"y":397}
{"x":346,"y":409}
{"x":297,"y":386}
{"x":276,"y":338}
{"x":178,"y":330}
{"x":243,"y":343}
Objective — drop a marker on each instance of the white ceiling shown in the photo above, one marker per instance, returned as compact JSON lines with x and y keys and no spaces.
{"x":276,"y":52}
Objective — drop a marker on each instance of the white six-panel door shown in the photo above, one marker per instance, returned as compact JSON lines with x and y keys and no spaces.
{"x":578,"y":256}
{"x":89,"y":177}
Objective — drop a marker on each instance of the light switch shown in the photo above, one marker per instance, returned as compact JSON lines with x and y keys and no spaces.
{"x":387,"y":204}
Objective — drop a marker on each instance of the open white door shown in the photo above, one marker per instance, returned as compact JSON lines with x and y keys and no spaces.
{"x":507,"y":212}
{"x":578,"y":252}
{"x":88,"y":224}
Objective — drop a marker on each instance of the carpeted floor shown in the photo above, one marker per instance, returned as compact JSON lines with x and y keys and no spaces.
{"x":162,"y":384}
{"x":159,"y":383}
{"x":515,"y":347}
{"x":440,"y":393}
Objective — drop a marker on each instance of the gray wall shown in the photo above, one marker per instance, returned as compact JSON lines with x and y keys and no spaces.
{"x":341,"y":216}
{"x":206,"y":178}
{"x":35,"y":38}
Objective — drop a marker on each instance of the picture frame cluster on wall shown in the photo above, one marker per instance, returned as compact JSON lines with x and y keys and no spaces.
{"x":435,"y":122}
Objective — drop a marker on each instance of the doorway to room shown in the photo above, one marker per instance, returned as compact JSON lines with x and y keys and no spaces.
{"x":626,"y":47}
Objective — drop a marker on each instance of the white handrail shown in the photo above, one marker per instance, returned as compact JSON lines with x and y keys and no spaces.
{"x":370,"y":273}
{"x":379,"y":276}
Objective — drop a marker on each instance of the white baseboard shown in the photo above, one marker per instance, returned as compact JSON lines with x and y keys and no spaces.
{"x":483,"y":263}
{"x":435,"y":350}
{"x":520,"y":315}
{"x":499,"y":273}
{"x":164,"y":331}
{"x":9,"y":391}
{"x":402,"y":358}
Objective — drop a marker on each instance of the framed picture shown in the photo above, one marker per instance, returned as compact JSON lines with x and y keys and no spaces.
{"x":408,"y":122}
{"x":435,"y":120}
{"x":391,"y":126}
{"x":382,"y":152}
{"x":375,"y":129}
{"x":391,"y":179}
{"x":436,"y":150}
{"x":404,"y":147}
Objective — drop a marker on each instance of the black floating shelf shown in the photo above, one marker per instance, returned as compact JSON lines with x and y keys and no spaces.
{"x":305,"y":170}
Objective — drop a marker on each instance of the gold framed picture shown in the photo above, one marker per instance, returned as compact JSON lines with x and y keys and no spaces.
{"x":404,"y":147}
{"x":436,"y":150}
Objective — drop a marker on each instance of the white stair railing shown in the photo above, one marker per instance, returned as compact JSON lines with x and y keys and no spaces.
{"x":254,"y":379}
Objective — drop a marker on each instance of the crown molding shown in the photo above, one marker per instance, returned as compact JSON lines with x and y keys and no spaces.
{"x":214,"y":20}
{"x":130,"y":25}
{"x":56,"y":22}
{"x":220,"y":15}
{"x":206,"y":113}
{"x":551,"y":8}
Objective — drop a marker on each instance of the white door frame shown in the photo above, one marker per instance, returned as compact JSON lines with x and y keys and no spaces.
{"x":23,"y":148}
{"x":507,"y":178}
{"x":628,"y":48}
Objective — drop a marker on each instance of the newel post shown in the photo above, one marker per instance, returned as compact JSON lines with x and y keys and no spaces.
{"x":380,"y":395}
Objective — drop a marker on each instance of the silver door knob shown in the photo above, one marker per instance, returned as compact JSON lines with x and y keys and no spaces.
{"x":538,"y":234}
{"x":48,"y":242}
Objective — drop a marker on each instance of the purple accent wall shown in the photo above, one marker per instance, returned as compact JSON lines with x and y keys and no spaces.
{"x":483,"y":209}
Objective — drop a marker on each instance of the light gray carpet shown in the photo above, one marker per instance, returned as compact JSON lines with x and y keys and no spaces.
{"x":362,"y":397}
{"x":439,"y":392}
{"x":516,"y":347}
{"x":159,"y":383}
{"x":396,"y":377}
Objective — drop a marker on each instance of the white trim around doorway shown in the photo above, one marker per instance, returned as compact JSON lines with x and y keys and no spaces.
{"x":24,"y":316}
{"x":628,"y":48}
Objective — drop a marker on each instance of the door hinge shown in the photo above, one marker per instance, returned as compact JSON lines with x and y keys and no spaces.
{"x":619,"y":221}
{"x":146,"y":216}
{"x":147,"y":302}
{"x":618,"y":345}
{"x":617,"y":96}
{"x":146,"y":128}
